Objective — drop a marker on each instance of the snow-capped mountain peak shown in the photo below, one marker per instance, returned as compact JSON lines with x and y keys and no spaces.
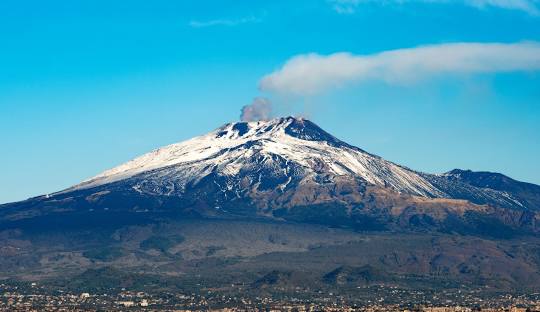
{"x":285,"y":147}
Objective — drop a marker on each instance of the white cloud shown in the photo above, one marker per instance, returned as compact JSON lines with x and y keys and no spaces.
{"x":224,"y":22}
{"x":529,"y":6}
{"x":312,"y":73}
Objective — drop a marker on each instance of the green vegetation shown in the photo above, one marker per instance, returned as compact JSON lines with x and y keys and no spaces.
{"x":113,"y":279}
{"x":161,"y":243}
{"x":103,"y":254}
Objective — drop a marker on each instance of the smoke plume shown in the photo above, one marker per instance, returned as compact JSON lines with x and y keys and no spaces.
{"x":259,"y":109}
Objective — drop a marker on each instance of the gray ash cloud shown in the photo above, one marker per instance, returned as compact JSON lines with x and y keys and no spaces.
{"x":259,"y":109}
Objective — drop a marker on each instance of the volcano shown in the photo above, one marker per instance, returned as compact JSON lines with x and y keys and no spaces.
{"x":279,"y":168}
{"x":278,"y":186}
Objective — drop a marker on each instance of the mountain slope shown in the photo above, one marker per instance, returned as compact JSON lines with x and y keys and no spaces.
{"x":247,"y":159}
{"x":290,"y":169}
{"x":526,"y":194}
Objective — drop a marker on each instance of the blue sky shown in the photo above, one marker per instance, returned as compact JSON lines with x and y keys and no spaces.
{"x":87,"y":85}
